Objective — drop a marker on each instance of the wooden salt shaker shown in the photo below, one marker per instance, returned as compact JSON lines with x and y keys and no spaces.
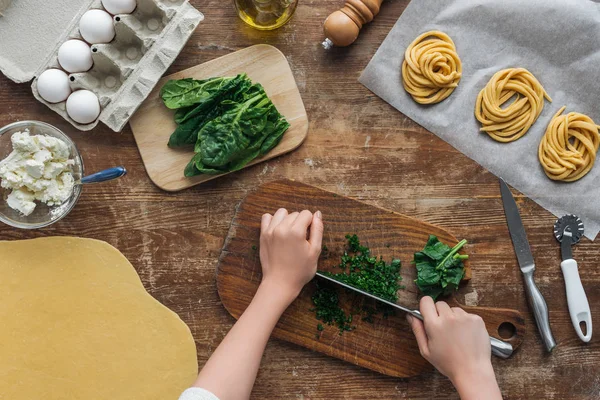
{"x":343,"y":26}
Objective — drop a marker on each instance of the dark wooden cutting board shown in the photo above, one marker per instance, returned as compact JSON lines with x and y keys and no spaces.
{"x":386,"y":345}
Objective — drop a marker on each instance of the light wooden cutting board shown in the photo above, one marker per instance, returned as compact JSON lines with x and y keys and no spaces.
{"x":387,"y":345}
{"x":153,"y":123}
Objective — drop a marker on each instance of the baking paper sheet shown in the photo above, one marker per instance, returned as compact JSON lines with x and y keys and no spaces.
{"x":557,"y":40}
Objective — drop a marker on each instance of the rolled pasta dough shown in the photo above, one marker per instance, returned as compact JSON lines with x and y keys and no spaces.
{"x":77,"y":323}
{"x":568,"y":149}
{"x":431,"y":69}
{"x":507,"y":123}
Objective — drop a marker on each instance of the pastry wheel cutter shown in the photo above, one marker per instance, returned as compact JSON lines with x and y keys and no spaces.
{"x":568,"y":230}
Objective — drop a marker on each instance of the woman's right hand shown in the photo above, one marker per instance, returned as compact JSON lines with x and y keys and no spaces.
{"x":456,"y":344}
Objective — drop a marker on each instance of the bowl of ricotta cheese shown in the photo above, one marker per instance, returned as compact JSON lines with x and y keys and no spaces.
{"x":39,"y":166}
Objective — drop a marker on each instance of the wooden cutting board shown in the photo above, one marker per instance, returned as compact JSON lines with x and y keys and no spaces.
{"x":153,"y":123}
{"x":387,"y":345}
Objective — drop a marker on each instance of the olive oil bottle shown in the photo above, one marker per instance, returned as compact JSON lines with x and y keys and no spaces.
{"x":265,"y":14}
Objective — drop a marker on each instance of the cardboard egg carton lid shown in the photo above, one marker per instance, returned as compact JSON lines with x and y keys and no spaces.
{"x":31,"y":31}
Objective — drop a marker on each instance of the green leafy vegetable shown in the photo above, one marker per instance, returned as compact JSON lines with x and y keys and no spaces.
{"x":206,"y":107}
{"x":439,"y":268}
{"x":361,"y":270}
{"x":230,"y":122}
{"x":327,"y":309}
{"x":199,"y":93}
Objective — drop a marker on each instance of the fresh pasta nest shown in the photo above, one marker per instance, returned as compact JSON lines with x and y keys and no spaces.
{"x":511,"y":122}
{"x":431,"y":68}
{"x":568,"y":149}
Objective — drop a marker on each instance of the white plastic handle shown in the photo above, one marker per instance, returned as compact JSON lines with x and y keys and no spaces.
{"x":579,"y":308}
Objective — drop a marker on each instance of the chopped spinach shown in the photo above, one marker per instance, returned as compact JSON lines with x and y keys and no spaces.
{"x":439,"y":268}
{"x":363,"y":271}
{"x":230,"y":122}
{"x":327,"y":308}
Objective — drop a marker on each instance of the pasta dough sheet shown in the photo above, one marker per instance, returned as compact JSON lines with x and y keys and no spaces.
{"x":78,"y":324}
{"x":556,"y":40}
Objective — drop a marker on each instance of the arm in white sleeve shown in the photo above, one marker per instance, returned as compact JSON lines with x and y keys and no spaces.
{"x":198,"y":394}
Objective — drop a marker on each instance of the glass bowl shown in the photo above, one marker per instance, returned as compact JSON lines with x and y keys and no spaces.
{"x":43,"y":215}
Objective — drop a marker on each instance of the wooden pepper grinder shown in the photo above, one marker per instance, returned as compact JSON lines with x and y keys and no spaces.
{"x":343,"y":26}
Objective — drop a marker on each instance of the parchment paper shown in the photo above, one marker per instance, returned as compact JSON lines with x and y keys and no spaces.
{"x":557,"y":40}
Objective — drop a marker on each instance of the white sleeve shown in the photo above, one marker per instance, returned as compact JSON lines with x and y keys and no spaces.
{"x":198,"y":394}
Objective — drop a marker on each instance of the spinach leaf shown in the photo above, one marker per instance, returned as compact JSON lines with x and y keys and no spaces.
{"x":188,"y":92}
{"x":230,"y":122}
{"x":439,"y":268}
{"x":180,"y":114}
{"x":186,"y":133}
{"x":224,"y":139}
{"x":275,"y":137}
{"x":195,"y":167}
{"x":234,"y":89}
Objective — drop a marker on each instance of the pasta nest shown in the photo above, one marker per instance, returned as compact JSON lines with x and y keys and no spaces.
{"x":509,"y":123}
{"x":568,"y":149}
{"x":431,"y":68}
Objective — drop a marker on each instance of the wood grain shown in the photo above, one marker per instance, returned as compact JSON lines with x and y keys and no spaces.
{"x":153,"y":123}
{"x":387,"y":345}
{"x":358,"y":146}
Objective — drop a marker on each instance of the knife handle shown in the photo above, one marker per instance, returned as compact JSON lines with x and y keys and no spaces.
{"x":540,"y":310}
{"x":501,"y":348}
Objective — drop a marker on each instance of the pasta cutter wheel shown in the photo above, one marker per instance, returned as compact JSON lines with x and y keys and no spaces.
{"x":568,"y":231}
{"x":571,"y":222}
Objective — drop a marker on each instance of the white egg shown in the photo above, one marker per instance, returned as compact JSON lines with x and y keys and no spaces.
{"x":75,"y":56}
{"x":119,"y":6}
{"x":53,"y":85}
{"x":83,"y":106}
{"x":96,"y":26}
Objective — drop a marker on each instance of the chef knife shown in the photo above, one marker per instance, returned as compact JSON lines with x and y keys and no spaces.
{"x":527,"y":265}
{"x":499,"y":348}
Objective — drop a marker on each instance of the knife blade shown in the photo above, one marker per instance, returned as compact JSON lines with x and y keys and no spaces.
{"x":516,"y":229}
{"x":499,"y":348}
{"x":527,"y":265}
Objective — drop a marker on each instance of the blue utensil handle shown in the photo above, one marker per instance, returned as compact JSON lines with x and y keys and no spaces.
{"x":106,"y":175}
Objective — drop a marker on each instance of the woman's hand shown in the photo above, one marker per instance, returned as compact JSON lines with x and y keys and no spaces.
{"x":458,"y":345}
{"x":290,"y":245}
{"x":289,"y":261}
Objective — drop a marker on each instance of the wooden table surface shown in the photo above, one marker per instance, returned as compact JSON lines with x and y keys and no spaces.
{"x":358,"y":146}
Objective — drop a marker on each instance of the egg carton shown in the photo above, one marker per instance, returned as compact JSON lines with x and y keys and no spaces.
{"x":125,"y":70}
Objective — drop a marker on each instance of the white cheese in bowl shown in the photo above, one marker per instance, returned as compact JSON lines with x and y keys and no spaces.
{"x":38,"y":168}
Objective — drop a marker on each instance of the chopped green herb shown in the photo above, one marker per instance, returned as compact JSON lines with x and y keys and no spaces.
{"x":320,"y":327}
{"x":254,"y":247}
{"x":439,"y":268}
{"x":363,"y":271}
{"x":327,"y":308}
